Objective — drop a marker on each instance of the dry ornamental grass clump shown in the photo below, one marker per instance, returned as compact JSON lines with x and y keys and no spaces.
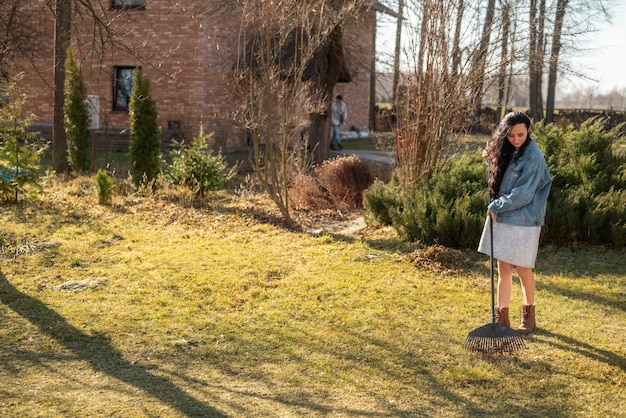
{"x":336,"y":186}
{"x":308,"y":194}
{"x":345,"y":179}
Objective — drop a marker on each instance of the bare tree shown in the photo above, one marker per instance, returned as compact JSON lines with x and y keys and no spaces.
{"x":504,"y":61}
{"x":62,"y":38}
{"x":536,"y":58}
{"x":479,"y":64}
{"x":433,"y":97}
{"x":397,"y":50}
{"x":456,"y":49}
{"x":291,"y":56}
{"x":328,"y":66}
{"x":554,"y":58}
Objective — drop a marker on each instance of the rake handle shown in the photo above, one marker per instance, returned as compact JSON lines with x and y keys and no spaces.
{"x":492,"y":272}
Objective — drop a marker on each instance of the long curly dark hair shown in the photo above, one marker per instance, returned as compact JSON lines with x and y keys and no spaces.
{"x":500,"y":150}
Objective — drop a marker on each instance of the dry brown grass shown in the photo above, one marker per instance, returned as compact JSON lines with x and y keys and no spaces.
{"x":148,"y":308}
{"x":440,"y":259}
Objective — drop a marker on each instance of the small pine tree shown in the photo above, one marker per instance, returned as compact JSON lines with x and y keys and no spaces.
{"x":20,"y":149}
{"x":196,"y":164}
{"x":104,"y":187}
{"x":145,"y":133}
{"x":76,"y":113}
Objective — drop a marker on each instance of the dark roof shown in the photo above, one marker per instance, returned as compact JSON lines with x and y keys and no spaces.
{"x":376,"y":5}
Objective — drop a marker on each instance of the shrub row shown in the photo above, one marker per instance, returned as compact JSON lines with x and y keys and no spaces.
{"x":587,"y":203}
{"x":588,"y":166}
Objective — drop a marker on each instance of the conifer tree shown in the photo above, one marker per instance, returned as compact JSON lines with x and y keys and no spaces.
{"x":145,"y":133}
{"x":76,"y":113}
{"x":20,"y":148}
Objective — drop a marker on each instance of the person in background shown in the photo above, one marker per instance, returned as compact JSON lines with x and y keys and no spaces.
{"x":338,"y":116}
{"x":519,"y":185}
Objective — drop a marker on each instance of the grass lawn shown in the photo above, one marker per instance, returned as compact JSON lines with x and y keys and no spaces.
{"x":151,"y":309}
{"x":383,"y":141}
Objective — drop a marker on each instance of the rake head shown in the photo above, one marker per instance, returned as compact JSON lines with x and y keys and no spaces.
{"x":494,"y":338}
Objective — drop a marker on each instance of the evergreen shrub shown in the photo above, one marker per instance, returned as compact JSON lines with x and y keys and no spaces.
{"x":20,"y":149}
{"x":145,"y":133}
{"x":587,"y":203}
{"x":76,"y":117}
{"x":104,"y":188}
{"x":380,"y":199}
{"x":448,"y":209}
{"x":197,"y":167}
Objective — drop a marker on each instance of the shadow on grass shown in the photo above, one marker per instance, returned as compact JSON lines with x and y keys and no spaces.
{"x":588,"y":296}
{"x":473,"y":406}
{"x":568,"y":344}
{"x":588,"y":260}
{"x":99,"y":353}
{"x":27,"y":212}
{"x":391,"y":245}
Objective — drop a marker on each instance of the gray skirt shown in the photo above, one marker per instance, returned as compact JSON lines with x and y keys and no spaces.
{"x":513,"y":244}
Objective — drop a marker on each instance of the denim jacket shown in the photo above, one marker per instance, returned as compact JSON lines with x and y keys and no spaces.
{"x":524,"y":190}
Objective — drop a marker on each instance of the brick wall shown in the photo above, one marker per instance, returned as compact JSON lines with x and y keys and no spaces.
{"x":358,"y":52}
{"x":189,"y":53}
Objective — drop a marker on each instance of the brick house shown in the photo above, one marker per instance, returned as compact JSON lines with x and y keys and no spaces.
{"x":186,"y":53}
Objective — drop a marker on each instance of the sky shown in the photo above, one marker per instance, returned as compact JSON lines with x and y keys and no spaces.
{"x":603,"y":57}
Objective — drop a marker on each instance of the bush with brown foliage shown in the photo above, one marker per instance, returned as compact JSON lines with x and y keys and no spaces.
{"x":345,"y":179}
{"x":336,"y":184}
{"x":307,"y":193}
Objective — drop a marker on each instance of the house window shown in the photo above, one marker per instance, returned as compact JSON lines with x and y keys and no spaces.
{"x":122,"y":87}
{"x":128,"y":4}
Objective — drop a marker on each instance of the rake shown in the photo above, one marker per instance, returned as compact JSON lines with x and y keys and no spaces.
{"x":493,"y":338}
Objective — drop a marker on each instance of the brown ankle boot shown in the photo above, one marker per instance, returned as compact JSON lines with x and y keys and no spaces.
{"x":528,"y":324}
{"x":502,"y":317}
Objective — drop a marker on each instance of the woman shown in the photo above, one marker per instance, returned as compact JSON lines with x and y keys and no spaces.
{"x":519,"y":184}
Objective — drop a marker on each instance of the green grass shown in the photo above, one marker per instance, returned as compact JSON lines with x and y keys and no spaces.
{"x":383,"y":141}
{"x":209,"y":311}
{"x":367,"y":143}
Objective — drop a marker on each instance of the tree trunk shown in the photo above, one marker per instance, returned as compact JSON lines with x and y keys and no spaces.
{"x":535,"y":59}
{"x":479,"y":65}
{"x":62,"y":34}
{"x":319,"y":134}
{"x":396,"y":55}
{"x":506,"y":24}
{"x":423,"y":38}
{"x":456,"y":49}
{"x":540,"y":56}
{"x":554,"y":59}
{"x":373,"y":76}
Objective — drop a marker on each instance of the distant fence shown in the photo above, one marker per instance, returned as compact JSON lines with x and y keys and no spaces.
{"x":577,"y":116}
{"x":385,"y":119}
{"x":110,"y":139}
